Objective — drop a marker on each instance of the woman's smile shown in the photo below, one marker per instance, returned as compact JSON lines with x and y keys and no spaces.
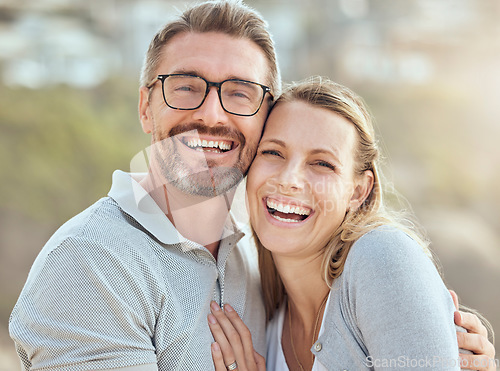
{"x":286,"y":212}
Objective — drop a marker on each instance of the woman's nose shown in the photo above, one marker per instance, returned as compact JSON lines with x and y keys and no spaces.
{"x":291,"y":178}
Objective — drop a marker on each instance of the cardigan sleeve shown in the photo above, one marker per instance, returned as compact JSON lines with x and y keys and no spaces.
{"x":398,"y":305}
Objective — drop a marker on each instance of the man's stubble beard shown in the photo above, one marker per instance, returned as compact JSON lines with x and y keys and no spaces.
{"x":212,"y":180}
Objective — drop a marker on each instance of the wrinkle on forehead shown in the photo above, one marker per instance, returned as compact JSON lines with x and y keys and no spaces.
{"x":214,"y":56}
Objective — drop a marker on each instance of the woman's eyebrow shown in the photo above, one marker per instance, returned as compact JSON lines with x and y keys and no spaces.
{"x":276,"y":141}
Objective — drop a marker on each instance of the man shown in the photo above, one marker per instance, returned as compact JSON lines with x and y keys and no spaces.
{"x":127,"y":283}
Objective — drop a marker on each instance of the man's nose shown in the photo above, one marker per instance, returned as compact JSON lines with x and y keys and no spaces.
{"x":211,"y":111}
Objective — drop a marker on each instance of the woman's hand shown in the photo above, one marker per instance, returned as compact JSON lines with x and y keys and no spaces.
{"x":233,"y":347}
{"x":474,"y":340}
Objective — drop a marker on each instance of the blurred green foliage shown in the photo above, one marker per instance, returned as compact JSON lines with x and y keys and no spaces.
{"x":59,"y":146}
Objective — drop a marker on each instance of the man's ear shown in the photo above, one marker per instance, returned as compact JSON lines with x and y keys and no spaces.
{"x":362,"y":187}
{"x":145,"y":110}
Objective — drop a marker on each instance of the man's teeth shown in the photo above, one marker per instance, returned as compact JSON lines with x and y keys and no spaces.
{"x":287,"y":209}
{"x":196,"y":142}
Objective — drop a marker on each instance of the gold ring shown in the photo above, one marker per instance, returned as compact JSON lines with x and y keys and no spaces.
{"x":232,"y":366}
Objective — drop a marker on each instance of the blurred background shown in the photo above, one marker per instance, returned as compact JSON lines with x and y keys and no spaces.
{"x":428,"y":69}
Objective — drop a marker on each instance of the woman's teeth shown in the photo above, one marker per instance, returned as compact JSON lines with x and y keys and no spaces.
{"x":287,"y":213}
{"x":287,"y":209}
{"x":285,"y":219}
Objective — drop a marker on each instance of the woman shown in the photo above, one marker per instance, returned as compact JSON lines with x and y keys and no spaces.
{"x":347,"y":284}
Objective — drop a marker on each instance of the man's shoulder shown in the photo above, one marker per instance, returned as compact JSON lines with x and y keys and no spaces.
{"x":102,"y":218}
{"x":102,"y":238}
{"x":102,"y":226}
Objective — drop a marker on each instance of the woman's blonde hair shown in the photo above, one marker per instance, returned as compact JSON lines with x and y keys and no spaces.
{"x":324,"y":93}
{"x":232,"y":18}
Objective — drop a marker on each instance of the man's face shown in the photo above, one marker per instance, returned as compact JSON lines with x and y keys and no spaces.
{"x":228,"y":142}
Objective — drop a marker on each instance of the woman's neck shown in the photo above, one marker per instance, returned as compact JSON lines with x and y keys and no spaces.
{"x":307,"y":292}
{"x":305,"y":285}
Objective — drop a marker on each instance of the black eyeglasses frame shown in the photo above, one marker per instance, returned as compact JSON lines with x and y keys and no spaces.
{"x":218,"y":85}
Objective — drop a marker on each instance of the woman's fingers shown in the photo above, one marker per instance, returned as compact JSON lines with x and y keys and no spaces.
{"x":218,"y":358}
{"x":228,"y":355}
{"x":231,"y":335}
{"x":244,"y":333}
{"x":259,"y":361}
{"x":234,"y":339}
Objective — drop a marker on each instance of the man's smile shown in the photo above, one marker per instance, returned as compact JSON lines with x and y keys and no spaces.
{"x":212,"y":145}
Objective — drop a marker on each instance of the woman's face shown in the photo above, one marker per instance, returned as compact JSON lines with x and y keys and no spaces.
{"x":302,"y":181}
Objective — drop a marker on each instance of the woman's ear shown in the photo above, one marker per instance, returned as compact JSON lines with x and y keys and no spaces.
{"x":145,"y":110}
{"x":363,"y":185}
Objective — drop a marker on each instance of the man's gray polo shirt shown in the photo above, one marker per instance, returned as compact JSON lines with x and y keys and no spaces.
{"x":118,"y":286}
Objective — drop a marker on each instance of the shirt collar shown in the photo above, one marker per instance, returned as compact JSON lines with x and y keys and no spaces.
{"x":135,"y":201}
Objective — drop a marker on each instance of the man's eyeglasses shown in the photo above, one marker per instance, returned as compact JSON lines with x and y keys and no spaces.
{"x":188,"y":92}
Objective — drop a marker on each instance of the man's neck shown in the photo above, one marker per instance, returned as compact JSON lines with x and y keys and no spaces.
{"x":199,"y":219}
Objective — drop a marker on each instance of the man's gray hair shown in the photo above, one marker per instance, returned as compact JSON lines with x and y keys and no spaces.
{"x":229,"y":17}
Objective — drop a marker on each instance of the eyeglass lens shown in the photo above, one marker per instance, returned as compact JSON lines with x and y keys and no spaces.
{"x":188,"y":92}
